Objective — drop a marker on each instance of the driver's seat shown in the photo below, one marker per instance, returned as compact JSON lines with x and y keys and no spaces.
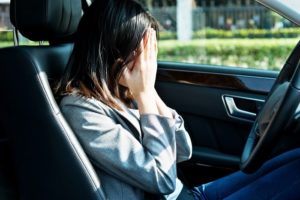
{"x":49,"y":161}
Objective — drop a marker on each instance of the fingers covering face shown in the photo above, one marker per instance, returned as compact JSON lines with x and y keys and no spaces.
{"x":150,"y":45}
{"x":147,"y":49}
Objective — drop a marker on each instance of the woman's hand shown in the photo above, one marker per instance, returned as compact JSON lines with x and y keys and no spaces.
{"x":139,"y":75}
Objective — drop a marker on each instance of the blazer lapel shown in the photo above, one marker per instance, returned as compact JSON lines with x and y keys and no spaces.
{"x":132,"y":123}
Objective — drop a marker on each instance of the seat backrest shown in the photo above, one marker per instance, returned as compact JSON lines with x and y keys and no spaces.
{"x":49,"y":161}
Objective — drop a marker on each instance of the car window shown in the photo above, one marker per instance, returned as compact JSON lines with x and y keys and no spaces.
{"x":240,"y":33}
{"x":6,"y":28}
{"x":6,"y":33}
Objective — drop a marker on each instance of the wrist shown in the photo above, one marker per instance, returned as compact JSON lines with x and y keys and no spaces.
{"x":147,"y":103}
{"x":149,"y":94}
{"x":163,"y":109}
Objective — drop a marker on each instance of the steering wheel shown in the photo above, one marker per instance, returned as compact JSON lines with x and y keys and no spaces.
{"x":275,"y":116}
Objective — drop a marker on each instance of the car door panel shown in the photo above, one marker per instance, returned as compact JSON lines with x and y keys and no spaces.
{"x":199,"y":93}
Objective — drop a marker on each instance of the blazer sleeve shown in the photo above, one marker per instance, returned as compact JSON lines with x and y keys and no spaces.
{"x":183,"y":140}
{"x":150,"y":165}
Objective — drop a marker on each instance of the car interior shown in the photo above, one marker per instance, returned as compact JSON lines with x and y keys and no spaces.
{"x":41,"y":157}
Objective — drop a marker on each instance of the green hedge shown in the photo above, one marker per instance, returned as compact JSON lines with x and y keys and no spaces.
{"x":6,"y":36}
{"x":241,"y":33}
{"x":252,"y":53}
{"x":248,"y":33}
{"x":213,"y":33}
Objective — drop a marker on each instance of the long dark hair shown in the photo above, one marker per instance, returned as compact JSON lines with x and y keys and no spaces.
{"x":109,"y":33}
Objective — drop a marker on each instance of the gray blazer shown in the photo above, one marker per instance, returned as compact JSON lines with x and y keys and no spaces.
{"x":131,"y":153}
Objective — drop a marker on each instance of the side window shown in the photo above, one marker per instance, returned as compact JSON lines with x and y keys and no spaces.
{"x":6,"y":33}
{"x":6,"y":28}
{"x":239,"y":33}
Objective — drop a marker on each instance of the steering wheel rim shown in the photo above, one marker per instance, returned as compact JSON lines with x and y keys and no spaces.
{"x":275,"y":115}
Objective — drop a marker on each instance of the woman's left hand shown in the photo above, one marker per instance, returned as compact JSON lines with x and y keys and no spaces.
{"x":139,"y":75}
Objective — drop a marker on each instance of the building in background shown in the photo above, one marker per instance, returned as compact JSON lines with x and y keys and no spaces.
{"x":202,"y":3}
{"x":215,"y":14}
{"x":218,"y":14}
{"x":4,"y":15}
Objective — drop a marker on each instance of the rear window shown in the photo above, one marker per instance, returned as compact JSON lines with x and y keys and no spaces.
{"x":6,"y":33}
{"x":6,"y":28}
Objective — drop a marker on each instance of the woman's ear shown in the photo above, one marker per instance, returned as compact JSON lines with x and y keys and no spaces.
{"x":117,"y":66}
{"x":126,"y":69}
{"x":122,"y":81}
{"x":130,"y":65}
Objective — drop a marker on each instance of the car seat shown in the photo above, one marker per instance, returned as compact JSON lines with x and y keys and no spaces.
{"x":49,"y":161}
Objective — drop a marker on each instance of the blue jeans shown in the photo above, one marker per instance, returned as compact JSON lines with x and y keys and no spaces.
{"x":278,"y":178}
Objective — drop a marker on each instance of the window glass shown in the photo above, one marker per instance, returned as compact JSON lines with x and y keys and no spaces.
{"x":6,"y":33}
{"x":6,"y":28}
{"x":238,"y":33}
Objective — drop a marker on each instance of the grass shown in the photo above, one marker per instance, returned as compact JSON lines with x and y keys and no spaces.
{"x":6,"y":44}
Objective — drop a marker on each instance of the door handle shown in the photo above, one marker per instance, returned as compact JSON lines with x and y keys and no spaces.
{"x":236,"y":112}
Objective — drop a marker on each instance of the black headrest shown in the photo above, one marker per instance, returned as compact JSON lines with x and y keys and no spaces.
{"x":45,"y":20}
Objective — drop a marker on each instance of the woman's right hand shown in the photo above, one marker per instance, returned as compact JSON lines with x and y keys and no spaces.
{"x":139,"y":75}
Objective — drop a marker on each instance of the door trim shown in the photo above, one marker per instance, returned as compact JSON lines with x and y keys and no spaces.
{"x":245,"y":80}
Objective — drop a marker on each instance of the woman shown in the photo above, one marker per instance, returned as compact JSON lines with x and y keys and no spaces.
{"x":133,"y":139}
{"x":130,"y":135}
